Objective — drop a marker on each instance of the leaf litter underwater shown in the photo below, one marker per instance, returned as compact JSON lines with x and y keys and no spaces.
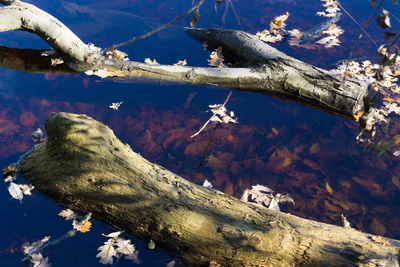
{"x":291,"y":149}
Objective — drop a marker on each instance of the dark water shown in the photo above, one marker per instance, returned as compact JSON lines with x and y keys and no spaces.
{"x":282,"y":145}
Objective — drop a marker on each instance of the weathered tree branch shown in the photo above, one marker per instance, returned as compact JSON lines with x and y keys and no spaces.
{"x":268,"y":70}
{"x":83,"y":166}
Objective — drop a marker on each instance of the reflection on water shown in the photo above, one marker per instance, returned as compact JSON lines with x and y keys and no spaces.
{"x":287,"y":147}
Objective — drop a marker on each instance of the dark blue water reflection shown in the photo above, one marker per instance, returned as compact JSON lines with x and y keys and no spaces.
{"x":157,"y":120}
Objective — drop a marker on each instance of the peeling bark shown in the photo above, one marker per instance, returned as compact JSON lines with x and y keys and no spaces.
{"x":268,"y":71}
{"x":82,"y":165}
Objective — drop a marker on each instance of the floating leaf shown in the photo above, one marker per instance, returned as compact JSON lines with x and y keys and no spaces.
{"x":151,"y":62}
{"x":15,"y":191}
{"x":85,"y":227}
{"x":134,"y":257}
{"x":345,"y":222}
{"x":115,"y":106}
{"x":115,"y":234}
{"x":107,"y":252}
{"x":358,"y":115}
{"x":30,"y":249}
{"x":10,"y":170}
{"x":207,"y":184}
{"x":274,"y":205}
{"x":216,"y":58}
{"x":151,"y":245}
{"x":67,"y":214}
{"x":26,"y":189}
{"x":181,"y":63}
{"x":38,"y":261}
{"x":124,"y":246}
{"x":383,"y":20}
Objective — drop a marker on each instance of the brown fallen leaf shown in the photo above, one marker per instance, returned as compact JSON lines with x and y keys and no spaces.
{"x":329,"y":188}
{"x":380,"y":240}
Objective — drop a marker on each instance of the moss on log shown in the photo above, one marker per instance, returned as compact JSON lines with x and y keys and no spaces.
{"x":82,"y":165}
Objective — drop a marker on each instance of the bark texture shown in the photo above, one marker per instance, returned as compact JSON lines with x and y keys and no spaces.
{"x":82,"y":165}
{"x":267,"y":71}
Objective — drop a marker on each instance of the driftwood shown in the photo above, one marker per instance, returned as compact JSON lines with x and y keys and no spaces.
{"x":267,"y":70}
{"x":83,"y":166}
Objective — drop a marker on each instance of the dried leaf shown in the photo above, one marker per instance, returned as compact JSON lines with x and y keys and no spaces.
{"x":273,"y":205}
{"x":114,"y":235}
{"x":10,"y":170}
{"x":345,"y":222}
{"x":329,"y":188}
{"x":15,"y":191}
{"x":213,"y":263}
{"x":26,"y":189}
{"x":56,"y":61}
{"x":85,"y":227}
{"x":30,"y":249}
{"x":115,"y":106}
{"x":383,"y":20}
{"x":151,"y":62}
{"x":67,"y":214}
{"x":380,"y":240}
{"x":207,"y":184}
{"x":216,"y":58}
{"x":151,"y":245}
{"x":38,"y":261}
{"x":104,"y":73}
{"x":117,"y":55}
{"x":107,"y":252}
{"x":358,"y":115}
{"x":134,"y":257}
{"x":124,"y":246}
{"x":195,"y":18}
{"x":181,"y":63}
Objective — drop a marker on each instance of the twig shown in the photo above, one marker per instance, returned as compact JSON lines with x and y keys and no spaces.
{"x":203,"y":157}
{"x":209,"y":120}
{"x":155,"y":30}
{"x":356,"y":44}
{"x":355,"y":21}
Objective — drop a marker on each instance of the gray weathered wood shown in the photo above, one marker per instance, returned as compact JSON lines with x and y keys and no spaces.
{"x":268,"y":71}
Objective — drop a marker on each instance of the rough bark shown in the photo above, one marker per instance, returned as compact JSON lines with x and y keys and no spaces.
{"x":268,"y":70}
{"x":83,"y":166}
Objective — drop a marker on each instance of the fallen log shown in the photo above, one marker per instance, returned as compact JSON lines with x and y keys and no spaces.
{"x":83,"y":166}
{"x":267,"y":70}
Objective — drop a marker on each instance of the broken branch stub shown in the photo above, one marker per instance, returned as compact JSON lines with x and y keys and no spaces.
{"x":194,"y":223}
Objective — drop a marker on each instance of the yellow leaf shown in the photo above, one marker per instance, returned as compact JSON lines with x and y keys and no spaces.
{"x":358,"y":115}
{"x":329,"y":188}
{"x":85,"y":227}
{"x":389,"y":99}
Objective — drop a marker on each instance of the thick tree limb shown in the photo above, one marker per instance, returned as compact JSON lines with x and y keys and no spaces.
{"x":83,"y":166}
{"x":269,"y":71}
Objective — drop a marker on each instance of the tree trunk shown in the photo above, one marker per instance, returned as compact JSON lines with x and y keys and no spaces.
{"x":83,"y":166}
{"x":268,"y":71}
